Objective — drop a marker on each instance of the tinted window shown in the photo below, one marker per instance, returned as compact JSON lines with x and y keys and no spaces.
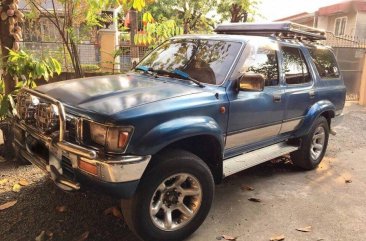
{"x":325,"y":63}
{"x":295,"y":68}
{"x":263,"y":60}
{"x":207,"y":61}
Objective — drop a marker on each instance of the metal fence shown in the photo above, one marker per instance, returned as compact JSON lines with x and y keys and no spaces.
{"x":89,"y":53}
{"x":345,"y":41}
{"x":126,"y":57}
{"x":350,"y":52}
{"x":350,"y":62}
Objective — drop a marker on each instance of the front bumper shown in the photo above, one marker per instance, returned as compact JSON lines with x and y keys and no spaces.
{"x":118,"y":175}
{"x":70,"y":165}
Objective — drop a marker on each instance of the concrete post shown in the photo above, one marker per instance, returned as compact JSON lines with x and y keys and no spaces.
{"x":133,"y":31}
{"x":109,"y":44}
{"x":362,"y":100}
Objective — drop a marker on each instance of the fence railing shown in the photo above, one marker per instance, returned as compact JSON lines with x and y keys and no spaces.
{"x":89,"y":53}
{"x":344,"y":41}
{"x":126,"y":56}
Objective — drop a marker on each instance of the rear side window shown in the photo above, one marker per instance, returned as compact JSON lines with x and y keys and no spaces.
{"x":295,"y":68}
{"x":325,"y":63}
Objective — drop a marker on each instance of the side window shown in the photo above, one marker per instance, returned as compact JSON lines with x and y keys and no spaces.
{"x":295,"y":68}
{"x":325,"y":63}
{"x":263,"y":61}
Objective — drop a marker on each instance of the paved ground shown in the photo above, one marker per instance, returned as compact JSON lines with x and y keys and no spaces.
{"x":290,"y":199}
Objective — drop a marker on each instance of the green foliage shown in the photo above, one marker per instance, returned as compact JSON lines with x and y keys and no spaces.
{"x":234,"y":10}
{"x":201,"y":15}
{"x":193,"y":15}
{"x":28,"y":69}
{"x":90,"y":68}
{"x":138,"y":5}
{"x":156,"y":32}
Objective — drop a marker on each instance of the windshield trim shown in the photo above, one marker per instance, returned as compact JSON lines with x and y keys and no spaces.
{"x":231,"y":69}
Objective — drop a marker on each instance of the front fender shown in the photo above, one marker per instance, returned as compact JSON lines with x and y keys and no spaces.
{"x":178,"y":129}
{"x":314,"y":112}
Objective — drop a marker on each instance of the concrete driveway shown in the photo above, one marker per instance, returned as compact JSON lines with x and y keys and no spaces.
{"x":330,"y":199}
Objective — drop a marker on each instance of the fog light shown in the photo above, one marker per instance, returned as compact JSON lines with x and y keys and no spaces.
{"x":88,"y":167}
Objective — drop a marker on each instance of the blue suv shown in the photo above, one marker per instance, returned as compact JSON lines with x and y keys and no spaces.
{"x":195,"y":110}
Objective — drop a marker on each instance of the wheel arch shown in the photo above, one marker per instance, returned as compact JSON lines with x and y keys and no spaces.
{"x":323,"y":108}
{"x":210,"y":152}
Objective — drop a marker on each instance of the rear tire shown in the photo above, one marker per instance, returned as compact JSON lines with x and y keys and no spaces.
{"x":173,"y":198}
{"x":313,"y":145}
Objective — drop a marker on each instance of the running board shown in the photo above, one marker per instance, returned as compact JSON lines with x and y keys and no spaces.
{"x":253,"y":158}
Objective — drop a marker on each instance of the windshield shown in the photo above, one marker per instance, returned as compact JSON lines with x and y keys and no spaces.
{"x":207,"y":61}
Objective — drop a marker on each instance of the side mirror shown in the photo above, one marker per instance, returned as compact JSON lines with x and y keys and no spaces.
{"x":251,"y":82}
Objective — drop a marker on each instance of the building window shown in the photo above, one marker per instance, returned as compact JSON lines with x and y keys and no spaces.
{"x":340,"y":26}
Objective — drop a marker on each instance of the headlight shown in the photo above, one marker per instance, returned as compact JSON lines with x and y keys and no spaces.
{"x":114,"y":139}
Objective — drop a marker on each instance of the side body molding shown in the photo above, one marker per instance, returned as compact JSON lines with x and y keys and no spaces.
{"x":314,"y":112}
{"x":179,"y":129}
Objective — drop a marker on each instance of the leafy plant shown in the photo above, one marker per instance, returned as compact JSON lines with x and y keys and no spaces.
{"x":156,"y":32}
{"x":27,"y":70}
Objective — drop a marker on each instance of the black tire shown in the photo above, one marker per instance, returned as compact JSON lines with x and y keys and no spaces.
{"x":303,"y":157}
{"x":136,"y":211}
{"x":7,"y":150}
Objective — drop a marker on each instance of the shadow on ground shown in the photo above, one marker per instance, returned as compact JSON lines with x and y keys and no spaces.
{"x":36,"y":209}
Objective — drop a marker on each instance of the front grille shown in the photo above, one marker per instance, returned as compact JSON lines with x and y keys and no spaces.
{"x":71,"y":127}
{"x":67,"y":169}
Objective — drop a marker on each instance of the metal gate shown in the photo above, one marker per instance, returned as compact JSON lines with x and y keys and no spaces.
{"x":350,"y":52}
{"x":350,"y":62}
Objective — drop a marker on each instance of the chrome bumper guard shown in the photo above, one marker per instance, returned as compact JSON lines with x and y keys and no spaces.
{"x":113,"y":170}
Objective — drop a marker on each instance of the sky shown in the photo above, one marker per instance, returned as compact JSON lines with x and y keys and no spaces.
{"x":276,"y":9}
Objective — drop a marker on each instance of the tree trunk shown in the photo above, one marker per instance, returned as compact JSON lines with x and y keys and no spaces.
{"x":75,"y":55}
{"x":238,"y":14}
{"x":7,"y":42}
{"x":186,"y":26}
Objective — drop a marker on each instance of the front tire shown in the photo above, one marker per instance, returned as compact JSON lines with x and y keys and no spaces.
{"x":313,"y":145}
{"x":173,"y":198}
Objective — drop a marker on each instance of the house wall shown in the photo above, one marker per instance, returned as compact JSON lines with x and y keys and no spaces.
{"x":361,"y":25}
{"x":350,"y":26}
{"x":323,"y":22}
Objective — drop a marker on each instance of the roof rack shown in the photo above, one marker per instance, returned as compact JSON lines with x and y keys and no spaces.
{"x":286,"y":30}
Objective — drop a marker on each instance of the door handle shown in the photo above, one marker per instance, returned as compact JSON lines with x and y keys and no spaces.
{"x":312,"y":94}
{"x":277,"y":98}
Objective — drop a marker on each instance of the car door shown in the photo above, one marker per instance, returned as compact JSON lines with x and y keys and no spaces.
{"x":254,"y":115}
{"x":299,"y":92}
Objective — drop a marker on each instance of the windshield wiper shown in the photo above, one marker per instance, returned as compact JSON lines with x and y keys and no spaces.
{"x":147,"y":70}
{"x":186,"y":76}
{"x":180,"y":74}
{"x":176,"y":72}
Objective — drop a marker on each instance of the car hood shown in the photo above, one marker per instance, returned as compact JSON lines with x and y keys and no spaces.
{"x":111,"y":94}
